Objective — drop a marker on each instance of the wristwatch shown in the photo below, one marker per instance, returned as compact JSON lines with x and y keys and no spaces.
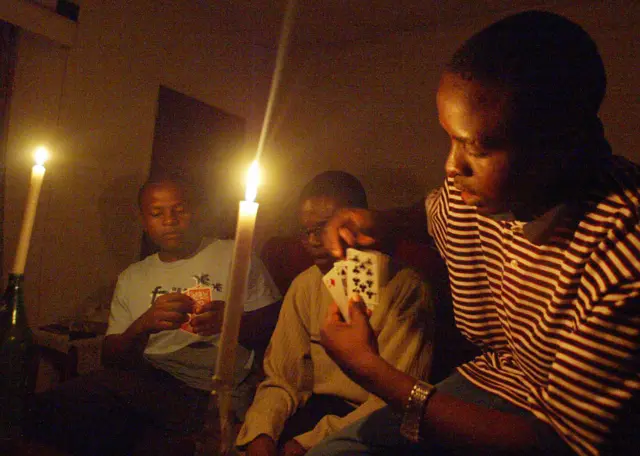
{"x":414,"y":409}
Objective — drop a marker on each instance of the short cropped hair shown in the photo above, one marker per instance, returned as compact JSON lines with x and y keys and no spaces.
{"x":178,"y":180}
{"x":549,"y":65}
{"x":339,"y":185}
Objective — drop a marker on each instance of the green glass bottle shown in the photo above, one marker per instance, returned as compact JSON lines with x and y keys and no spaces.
{"x":16,"y":361}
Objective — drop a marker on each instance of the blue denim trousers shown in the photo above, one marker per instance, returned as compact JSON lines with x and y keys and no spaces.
{"x":379,"y":433}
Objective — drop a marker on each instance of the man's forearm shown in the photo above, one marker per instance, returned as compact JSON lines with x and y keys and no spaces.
{"x":448,"y":420}
{"x":125,"y":348}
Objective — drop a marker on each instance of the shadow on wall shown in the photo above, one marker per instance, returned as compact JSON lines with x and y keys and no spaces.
{"x":95,"y":307}
{"x":389,"y":188}
{"x":118,"y":206}
{"x":118,"y":226}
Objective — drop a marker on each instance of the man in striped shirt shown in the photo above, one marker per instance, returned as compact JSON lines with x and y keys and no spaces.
{"x":539,"y":227}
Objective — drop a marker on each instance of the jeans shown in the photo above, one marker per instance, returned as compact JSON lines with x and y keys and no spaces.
{"x":379,"y":433}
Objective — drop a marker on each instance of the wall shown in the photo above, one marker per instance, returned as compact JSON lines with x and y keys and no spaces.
{"x":94,"y":104}
{"x":369,"y":107}
{"x":366,"y":107}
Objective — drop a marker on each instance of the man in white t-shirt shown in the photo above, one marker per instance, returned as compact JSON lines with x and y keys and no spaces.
{"x":161,"y":344}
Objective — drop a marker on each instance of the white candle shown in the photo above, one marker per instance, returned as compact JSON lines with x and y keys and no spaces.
{"x":37,"y":176}
{"x":238,"y":277}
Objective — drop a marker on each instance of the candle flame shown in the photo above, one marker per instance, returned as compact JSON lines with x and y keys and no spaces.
{"x":253,"y":179}
{"x":41,"y":155}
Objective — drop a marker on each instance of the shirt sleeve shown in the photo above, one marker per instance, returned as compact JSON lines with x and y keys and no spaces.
{"x":120,"y":314}
{"x":261,"y":290}
{"x":594,"y":381}
{"x":405,"y":340}
{"x":288,"y":371}
{"x":436,"y":208}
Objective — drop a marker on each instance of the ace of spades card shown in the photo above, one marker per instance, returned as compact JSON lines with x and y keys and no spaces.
{"x":367,"y":272}
{"x":201,"y":295}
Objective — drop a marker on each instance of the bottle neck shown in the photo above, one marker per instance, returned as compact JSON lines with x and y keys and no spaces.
{"x":14,"y":299}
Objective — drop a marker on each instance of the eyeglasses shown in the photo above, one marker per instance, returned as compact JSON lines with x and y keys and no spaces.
{"x":315,"y":230}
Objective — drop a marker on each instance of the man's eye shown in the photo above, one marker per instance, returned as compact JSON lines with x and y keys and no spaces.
{"x":156,"y":214}
{"x":308,"y":232}
{"x":315,"y":231}
{"x":477,"y":152}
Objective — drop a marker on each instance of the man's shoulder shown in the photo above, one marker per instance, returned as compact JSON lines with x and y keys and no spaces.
{"x":139,"y":266}
{"x":218,"y":250}
{"x":213,"y":246}
{"x":217,"y":244}
{"x":616,"y":189}
{"x":307,"y":278}
{"x":402,"y":275}
{"x":406,"y":294}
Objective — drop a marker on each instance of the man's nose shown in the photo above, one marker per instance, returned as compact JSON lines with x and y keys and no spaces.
{"x":456,"y":164}
{"x":315,"y":239}
{"x":170,"y":218}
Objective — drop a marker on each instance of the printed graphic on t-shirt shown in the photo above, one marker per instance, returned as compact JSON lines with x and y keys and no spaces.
{"x":201,"y":293}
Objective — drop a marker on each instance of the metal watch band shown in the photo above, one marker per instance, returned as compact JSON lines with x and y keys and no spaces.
{"x":413,"y":410}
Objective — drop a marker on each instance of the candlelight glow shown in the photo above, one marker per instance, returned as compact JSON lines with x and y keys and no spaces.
{"x":253,"y":179}
{"x":41,"y":155}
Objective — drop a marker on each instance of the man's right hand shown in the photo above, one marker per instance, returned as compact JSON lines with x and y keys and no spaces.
{"x":351,"y":227}
{"x":263,"y":445}
{"x":168,"y":312}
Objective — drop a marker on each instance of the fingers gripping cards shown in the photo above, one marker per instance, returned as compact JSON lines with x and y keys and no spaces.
{"x":364,"y":272}
{"x":202,"y":296}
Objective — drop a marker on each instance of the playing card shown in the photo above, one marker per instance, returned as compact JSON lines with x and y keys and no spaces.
{"x":201,"y":295}
{"x":342,"y":267}
{"x":366,"y":275}
{"x":333,"y":280}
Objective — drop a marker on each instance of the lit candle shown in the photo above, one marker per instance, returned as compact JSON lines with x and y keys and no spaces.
{"x":37,"y":175}
{"x":234,"y":307}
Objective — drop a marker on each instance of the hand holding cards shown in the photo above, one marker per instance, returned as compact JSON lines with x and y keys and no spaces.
{"x":363,"y":273}
{"x":201,"y":296}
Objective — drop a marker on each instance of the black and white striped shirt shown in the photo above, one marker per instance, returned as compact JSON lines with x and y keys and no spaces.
{"x":557,"y":317}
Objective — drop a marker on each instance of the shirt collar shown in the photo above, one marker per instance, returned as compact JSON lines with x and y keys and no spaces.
{"x":539,"y":230}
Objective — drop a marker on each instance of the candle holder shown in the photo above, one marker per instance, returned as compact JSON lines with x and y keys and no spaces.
{"x":218,"y":435}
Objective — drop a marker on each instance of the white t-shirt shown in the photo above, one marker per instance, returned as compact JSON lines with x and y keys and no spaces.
{"x":187,"y":356}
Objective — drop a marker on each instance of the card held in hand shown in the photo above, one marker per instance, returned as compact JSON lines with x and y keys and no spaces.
{"x":342,"y":267}
{"x":335,"y":283}
{"x":201,"y":295}
{"x":367,"y":274}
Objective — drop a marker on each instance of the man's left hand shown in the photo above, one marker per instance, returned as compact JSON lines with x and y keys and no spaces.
{"x":208,"y":319}
{"x":349,"y":344}
{"x":292,"y":448}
